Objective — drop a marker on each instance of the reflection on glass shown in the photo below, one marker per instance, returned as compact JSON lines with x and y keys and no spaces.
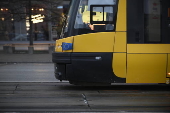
{"x":100,"y":14}
{"x":152,"y":11}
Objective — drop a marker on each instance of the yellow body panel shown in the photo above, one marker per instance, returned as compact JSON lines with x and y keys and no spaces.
{"x":58,"y":47}
{"x":95,"y":42}
{"x":119,"y":64}
{"x":168,"y":69}
{"x":119,"y":59}
{"x":146,"y":68}
{"x":121,"y":16}
{"x":120,"y":42}
{"x":148,"y":48}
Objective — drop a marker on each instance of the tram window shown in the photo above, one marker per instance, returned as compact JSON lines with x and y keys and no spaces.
{"x":169,"y":17}
{"x":148,"y":21}
{"x":135,"y":21}
{"x":102,"y":15}
{"x":152,"y":20}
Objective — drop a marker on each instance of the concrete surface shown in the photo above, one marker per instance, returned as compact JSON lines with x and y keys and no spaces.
{"x":27,"y":72}
{"x":63,"y":97}
{"x":25,"y":58}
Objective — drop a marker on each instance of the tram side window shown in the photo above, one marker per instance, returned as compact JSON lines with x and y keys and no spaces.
{"x":152,"y":21}
{"x":146,"y":21}
{"x":135,"y":21}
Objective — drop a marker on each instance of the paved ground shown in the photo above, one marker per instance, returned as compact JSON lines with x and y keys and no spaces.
{"x":63,"y":97}
{"x":27,"y":72}
{"x":25,"y":58}
{"x":32,"y":87}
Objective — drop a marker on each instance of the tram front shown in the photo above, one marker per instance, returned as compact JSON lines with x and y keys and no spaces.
{"x":84,"y":53}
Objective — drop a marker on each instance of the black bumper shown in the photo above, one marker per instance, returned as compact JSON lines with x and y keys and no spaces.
{"x":85,"y":67}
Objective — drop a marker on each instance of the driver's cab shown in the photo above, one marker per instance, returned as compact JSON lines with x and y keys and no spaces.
{"x":90,"y":16}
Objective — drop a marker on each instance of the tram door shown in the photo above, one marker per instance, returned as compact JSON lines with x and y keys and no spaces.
{"x":148,"y":38}
{"x":166,"y":20}
{"x":166,"y":29}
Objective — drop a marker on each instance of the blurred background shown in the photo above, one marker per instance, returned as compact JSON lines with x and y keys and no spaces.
{"x":46,"y":17}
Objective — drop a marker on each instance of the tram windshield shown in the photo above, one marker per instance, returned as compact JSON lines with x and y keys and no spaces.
{"x":88,"y":16}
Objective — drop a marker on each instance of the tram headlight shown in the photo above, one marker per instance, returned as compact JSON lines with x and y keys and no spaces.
{"x":169,"y":73}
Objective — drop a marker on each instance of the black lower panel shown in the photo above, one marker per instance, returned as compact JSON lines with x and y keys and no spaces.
{"x":92,"y":67}
{"x":88,"y":67}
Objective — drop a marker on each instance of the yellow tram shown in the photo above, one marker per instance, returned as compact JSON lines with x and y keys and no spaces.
{"x":115,"y":41}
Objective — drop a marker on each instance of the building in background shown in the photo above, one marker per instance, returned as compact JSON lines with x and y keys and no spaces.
{"x":45,"y":15}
